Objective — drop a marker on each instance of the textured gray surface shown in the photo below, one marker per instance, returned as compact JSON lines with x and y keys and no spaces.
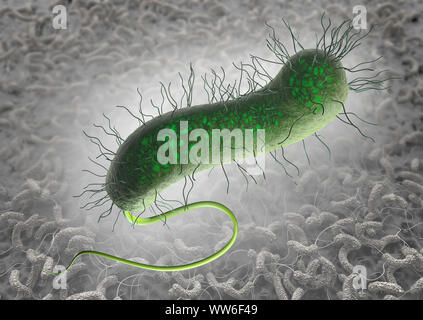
{"x":364,"y":206}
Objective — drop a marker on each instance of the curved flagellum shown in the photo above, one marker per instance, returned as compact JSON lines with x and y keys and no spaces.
{"x":162,"y":217}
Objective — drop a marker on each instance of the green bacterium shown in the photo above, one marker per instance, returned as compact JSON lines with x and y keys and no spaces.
{"x":308,"y":93}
